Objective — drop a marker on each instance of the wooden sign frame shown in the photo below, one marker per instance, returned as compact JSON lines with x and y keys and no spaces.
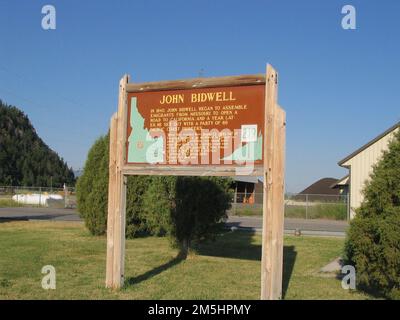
{"x":272,"y":171}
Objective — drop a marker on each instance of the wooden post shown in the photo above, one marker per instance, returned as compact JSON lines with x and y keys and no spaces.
{"x":273,"y":170}
{"x":272,"y":242}
{"x":117,"y":194}
{"x":278,"y":195}
{"x":111,"y":201}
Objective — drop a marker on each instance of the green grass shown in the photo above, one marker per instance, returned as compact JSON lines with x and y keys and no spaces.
{"x":248,"y":212}
{"x":226,"y":269}
{"x":7,"y":203}
{"x":331,"y":211}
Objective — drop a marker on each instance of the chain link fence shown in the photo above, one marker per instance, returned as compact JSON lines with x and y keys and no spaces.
{"x":12,"y":196}
{"x":303,"y":206}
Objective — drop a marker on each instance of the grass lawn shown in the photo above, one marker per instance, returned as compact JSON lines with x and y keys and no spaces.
{"x":7,"y":203}
{"x":226,"y":269}
{"x":331,"y":211}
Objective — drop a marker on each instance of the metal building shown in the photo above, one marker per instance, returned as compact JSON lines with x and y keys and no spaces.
{"x":360,"y":164}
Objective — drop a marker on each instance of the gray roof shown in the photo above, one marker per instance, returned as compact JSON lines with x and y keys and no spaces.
{"x":248,"y":179}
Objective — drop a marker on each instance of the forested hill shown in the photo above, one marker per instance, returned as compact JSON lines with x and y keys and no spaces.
{"x":25,"y":160}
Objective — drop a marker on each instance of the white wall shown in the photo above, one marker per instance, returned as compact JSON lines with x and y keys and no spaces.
{"x":361,"y":167}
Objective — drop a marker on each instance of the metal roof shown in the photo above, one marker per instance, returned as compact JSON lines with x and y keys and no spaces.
{"x":248,"y":179}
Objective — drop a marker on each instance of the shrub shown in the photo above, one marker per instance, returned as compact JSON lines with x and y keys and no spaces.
{"x":92,"y":188}
{"x":136,"y":224}
{"x":373,"y":239}
{"x":187,"y":208}
{"x":92,"y":193}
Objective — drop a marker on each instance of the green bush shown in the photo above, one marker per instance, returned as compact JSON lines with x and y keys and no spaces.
{"x":91,"y":188}
{"x":373,"y":240}
{"x":189,"y":209}
{"x":92,"y":193}
{"x":136,"y":224}
{"x":185,"y":208}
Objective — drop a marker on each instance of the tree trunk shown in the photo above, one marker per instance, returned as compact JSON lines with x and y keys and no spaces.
{"x":184,"y":250}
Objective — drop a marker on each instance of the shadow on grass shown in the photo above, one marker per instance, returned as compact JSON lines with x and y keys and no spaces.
{"x":289,"y":258}
{"x":234,"y":245}
{"x":371,"y":291}
{"x":240,"y":245}
{"x":151,"y":273}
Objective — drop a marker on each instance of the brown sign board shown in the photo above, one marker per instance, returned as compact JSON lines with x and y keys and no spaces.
{"x":205,"y":124}
{"x":198,"y":126}
{"x":222,"y":126}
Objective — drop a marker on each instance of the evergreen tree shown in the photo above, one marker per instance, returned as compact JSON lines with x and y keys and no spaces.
{"x":92,"y":193}
{"x":25,"y":160}
{"x":91,"y":188}
{"x":373,"y":240}
{"x":185,"y":208}
{"x":189,"y":209}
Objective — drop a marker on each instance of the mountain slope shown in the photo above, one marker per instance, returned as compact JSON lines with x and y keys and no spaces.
{"x":25,"y":160}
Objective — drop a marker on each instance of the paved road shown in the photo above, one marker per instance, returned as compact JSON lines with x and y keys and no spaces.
{"x":23,"y":213}
{"x":307,"y":227}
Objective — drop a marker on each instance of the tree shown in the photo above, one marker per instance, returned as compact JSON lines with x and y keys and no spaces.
{"x":187,"y":208}
{"x":25,"y":160}
{"x":91,"y":188}
{"x":373,"y":239}
{"x":92,"y":193}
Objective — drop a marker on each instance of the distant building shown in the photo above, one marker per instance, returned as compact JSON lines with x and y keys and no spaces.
{"x":342,"y":185}
{"x":248,"y":189}
{"x":322,"y":187}
{"x":360,"y":164}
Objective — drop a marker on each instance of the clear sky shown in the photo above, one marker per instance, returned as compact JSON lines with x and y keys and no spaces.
{"x":340,"y":88}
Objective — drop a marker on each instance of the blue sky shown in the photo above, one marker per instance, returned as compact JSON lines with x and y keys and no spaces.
{"x":340,"y":88}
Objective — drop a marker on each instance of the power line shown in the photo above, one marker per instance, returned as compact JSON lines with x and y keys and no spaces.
{"x":23,"y":78}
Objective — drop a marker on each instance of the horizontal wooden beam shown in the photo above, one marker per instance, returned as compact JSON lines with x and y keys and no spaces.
{"x":190,"y":170}
{"x":230,"y":81}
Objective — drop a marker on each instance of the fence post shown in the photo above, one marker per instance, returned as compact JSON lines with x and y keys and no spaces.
{"x":65,"y":195}
{"x":306,"y":206}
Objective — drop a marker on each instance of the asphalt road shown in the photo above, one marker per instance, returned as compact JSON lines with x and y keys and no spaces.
{"x":25,"y":214}
{"x":307,"y":227}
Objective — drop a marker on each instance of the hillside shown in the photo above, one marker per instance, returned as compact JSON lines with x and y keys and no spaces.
{"x":25,"y":160}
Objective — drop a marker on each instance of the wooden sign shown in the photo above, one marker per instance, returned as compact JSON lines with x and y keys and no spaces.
{"x":202,"y":126}
{"x":207,"y":126}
